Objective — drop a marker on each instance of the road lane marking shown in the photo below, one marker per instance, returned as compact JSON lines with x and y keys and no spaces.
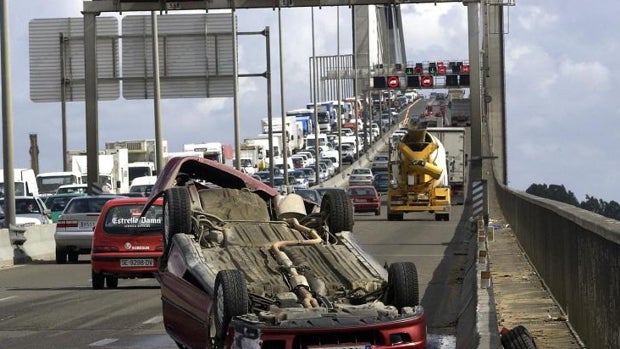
{"x":154,"y":320}
{"x":103,"y":342}
{"x":7,"y":298}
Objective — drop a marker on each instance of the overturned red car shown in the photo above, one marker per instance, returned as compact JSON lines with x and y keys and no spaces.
{"x":245,"y":267}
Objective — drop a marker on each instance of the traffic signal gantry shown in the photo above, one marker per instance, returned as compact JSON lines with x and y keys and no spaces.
{"x":424,"y":75}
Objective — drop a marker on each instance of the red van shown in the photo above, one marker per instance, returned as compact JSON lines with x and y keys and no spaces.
{"x":125,"y":243}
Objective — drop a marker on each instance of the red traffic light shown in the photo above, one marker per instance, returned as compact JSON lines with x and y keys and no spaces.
{"x":419,"y":69}
{"x":427,"y":81}
{"x":465,"y":69}
{"x":393,"y":81}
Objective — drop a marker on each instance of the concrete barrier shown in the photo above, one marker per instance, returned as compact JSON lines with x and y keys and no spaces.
{"x":39,"y":245}
{"x":577,"y":254}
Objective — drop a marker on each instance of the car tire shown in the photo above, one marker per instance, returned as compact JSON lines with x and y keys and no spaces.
{"x":111,"y":281}
{"x":73,"y":256}
{"x":98,"y":280}
{"x":403,"y":288}
{"x":177,"y":213}
{"x":378,"y":212}
{"x":518,"y":338}
{"x":61,"y":255}
{"x":230,"y":299}
{"x":338,"y":211}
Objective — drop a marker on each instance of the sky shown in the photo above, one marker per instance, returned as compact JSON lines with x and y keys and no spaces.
{"x":561,"y":110}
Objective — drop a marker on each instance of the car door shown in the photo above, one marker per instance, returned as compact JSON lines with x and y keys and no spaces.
{"x":185,"y":307}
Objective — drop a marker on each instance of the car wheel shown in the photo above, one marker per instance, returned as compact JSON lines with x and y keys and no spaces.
{"x":338,"y":211}
{"x":403,"y":289}
{"x":378,"y":212}
{"x":61,"y":255}
{"x":518,"y":338}
{"x":111,"y":281}
{"x":230,"y":299}
{"x":73,"y":256}
{"x":97,"y":280}
{"x":177,"y":213}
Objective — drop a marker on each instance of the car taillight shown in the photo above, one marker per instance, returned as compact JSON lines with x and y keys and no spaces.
{"x":375,"y":199}
{"x":67,"y":224}
{"x":159,"y":248}
{"x":105,"y":249}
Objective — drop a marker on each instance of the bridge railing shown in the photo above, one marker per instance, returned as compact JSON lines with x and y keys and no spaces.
{"x":577,"y":254}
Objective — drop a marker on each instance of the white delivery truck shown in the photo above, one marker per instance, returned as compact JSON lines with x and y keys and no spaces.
{"x":453,"y":140}
{"x":25,"y":182}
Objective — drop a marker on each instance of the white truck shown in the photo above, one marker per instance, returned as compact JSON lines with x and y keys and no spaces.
{"x":293,"y":130}
{"x":48,"y":182}
{"x":141,"y":169}
{"x":215,"y":151}
{"x":25,"y":182}
{"x":453,"y":140}
{"x":251,"y":157}
{"x":113,"y":170}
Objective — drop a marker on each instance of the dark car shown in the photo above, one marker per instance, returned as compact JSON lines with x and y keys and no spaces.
{"x":365,"y":199}
{"x":381,"y":182}
{"x":126,"y":245}
{"x":244,"y":267}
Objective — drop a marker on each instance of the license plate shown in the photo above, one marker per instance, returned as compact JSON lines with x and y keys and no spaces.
{"x":351,"y":346}
{"x":127,"y":263}
{"x":86,"y":224}
{"x":360,"y":200}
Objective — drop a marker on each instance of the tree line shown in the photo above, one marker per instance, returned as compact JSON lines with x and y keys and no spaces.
{"x":559,"y":193}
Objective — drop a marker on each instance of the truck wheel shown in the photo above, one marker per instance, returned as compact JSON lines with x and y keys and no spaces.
{"x":97,"y":280}
{"x":518,"y":338}
{"x":442,"y":217}
{"x":403,"y":289}
{"x":395,"y":216}
{"x":230,"y":299}
{"x":177,"y":213}
{"x":337,"y":210}
{"x":61,"y":255}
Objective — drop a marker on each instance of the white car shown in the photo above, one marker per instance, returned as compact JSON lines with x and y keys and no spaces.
{"x":361,"y":176}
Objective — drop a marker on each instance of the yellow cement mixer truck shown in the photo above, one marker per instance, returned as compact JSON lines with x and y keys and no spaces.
{"x":418,"y":176}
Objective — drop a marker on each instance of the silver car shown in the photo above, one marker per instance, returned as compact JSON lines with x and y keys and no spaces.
{"x":74,"y":229}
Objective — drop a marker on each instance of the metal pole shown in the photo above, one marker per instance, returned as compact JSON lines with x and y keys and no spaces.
{"x":269,"y":115}
{"x":284,"y":137}
{"x":63,"y":103}
{"x":316,"y":114}
{"x":90,"y":89}
{"x":159,"y":158}
{"x":236,"y":92}
{"x":7,"y":120}
{"x":357,"y":137}
{"x":338,"y":90}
